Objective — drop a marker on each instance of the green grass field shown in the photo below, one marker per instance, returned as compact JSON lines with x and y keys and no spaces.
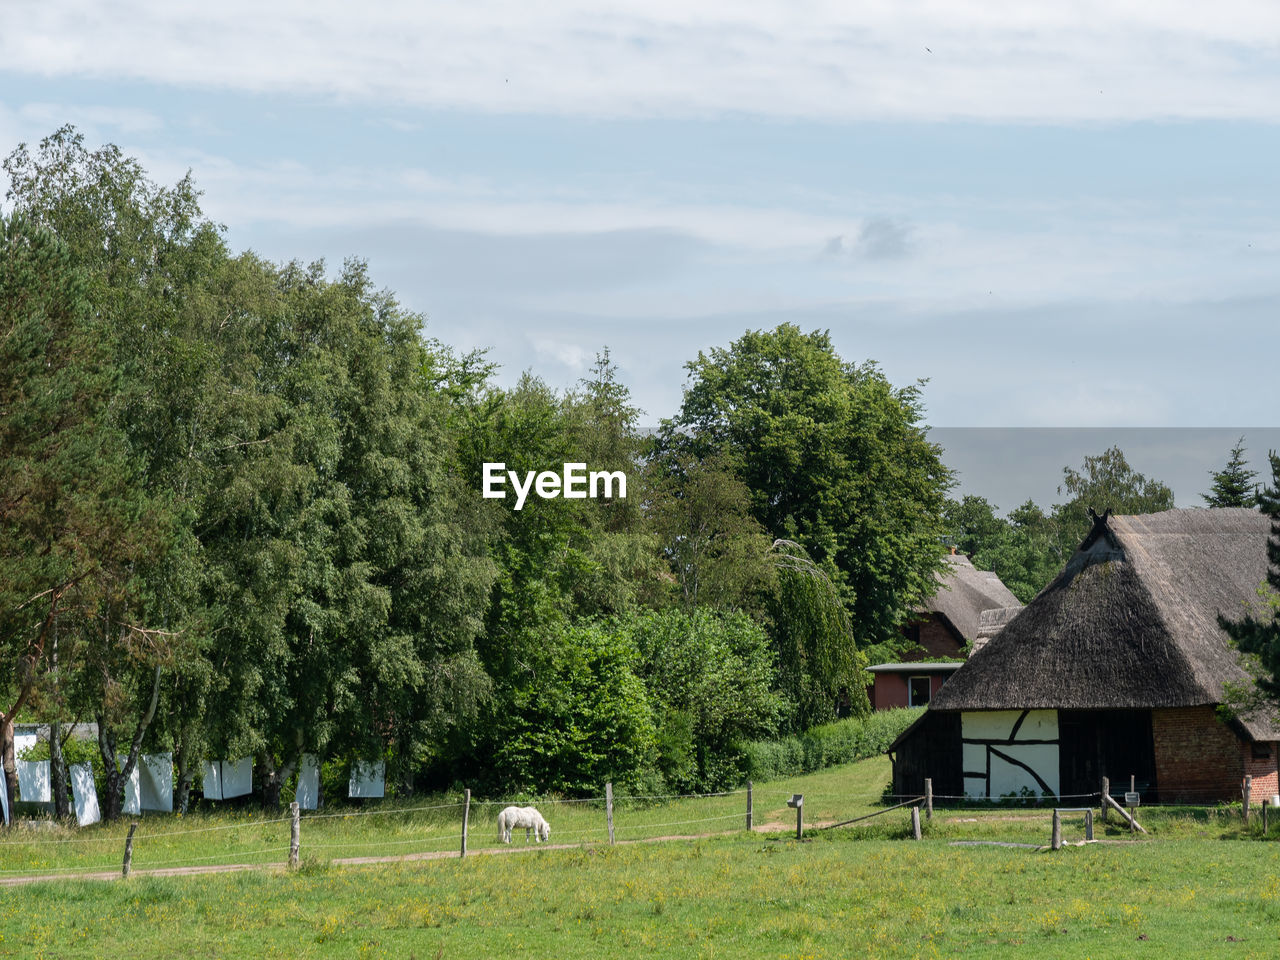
{"x":1200,"y":886}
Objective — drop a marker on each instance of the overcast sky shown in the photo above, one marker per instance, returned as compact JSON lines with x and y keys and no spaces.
{"x":1060,"y":214}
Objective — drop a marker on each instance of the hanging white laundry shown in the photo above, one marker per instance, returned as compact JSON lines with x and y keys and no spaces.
{"x":237,"y":778}
{"x":156,"y":782}
{"x":4,"y":800}
{"x":213,"y":779}
{"x":85,"y":794}
{"x":308,"y":792}
{"x":23,"y":741}
{"x":33,"y":781}
{"x":133,"y":793}
{"x":367,"y":778}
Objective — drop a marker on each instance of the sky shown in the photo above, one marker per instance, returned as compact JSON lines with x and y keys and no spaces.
{"x":1057,"y":214}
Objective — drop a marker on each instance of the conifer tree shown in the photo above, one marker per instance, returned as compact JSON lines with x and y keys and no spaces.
{"x":1233,"y":485}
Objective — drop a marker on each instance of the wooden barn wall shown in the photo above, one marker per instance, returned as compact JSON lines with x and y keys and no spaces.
{"x":930,"y":750}
{"x":1117,"y":744}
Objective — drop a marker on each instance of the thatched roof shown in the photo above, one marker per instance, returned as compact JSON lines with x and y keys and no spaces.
{"x":964,"y":593}
{"x":1130,"y":623}
{"x":992,"y":622}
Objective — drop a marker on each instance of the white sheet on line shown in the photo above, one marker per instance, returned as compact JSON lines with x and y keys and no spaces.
{"x":308,"y":793}
{"x":237,"y":778}
{"x":4,"y":800}
{"x":85,"y":794}
{"x":367,"y":778}
{"x":23,"y":741}
{"x":133,"y":793}
{"x":33,"y":781}
{"x":156,"y":781}
{"x":212,"y":780}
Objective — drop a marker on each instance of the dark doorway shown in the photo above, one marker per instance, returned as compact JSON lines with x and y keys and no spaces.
{"x":1106,"y":743}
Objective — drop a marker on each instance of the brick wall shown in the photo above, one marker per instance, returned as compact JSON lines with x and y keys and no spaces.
{"x":1198,"y":758}
{"x":1266,"y":783}
{"x":937,"y":639}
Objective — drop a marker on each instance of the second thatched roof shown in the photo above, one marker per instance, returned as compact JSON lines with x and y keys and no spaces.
{"x":965,"y":594}
{"x":1131,"y":622}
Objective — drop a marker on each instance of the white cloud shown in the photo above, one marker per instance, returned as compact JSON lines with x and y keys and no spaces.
{"x":915,"y":59}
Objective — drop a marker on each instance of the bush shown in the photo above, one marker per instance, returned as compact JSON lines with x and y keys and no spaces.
{"x":827,"y":745}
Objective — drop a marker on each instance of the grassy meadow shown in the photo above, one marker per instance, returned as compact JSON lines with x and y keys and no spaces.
{"x":1200,"y":885}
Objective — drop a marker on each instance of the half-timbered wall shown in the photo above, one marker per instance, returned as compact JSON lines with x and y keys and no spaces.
{"x":1005,"y":751}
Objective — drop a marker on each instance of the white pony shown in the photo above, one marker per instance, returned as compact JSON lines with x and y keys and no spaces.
{"x":527,"y":817}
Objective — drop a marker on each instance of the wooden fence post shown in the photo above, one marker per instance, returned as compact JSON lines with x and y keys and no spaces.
{"x":750,"y":811}
{"x":128,"y":850}
{"x":1264,"y":816}
{"x":1055,"y":839}
{"x":915,"y":822}
{"x":608,"y":807}
{"x":1106,"y":792}
{"x":1247,"y":789}
{"x":928,"y":798}
{"x":466,"y":815}
{"x":1088,"y":823}
{"x":295,"y":834}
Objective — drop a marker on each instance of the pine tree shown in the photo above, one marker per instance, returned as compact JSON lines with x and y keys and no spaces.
{"x":1260,"y":637}
{"x":1233,"y":485}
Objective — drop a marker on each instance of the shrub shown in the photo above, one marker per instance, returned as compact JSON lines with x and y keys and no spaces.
{"x":843,"y":741}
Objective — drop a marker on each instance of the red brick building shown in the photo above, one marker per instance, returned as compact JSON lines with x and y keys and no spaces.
{"x":1115,"y":669}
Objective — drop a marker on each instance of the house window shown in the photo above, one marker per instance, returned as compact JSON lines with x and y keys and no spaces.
{"x":918,"y":691}
{"x":1261,"y":751}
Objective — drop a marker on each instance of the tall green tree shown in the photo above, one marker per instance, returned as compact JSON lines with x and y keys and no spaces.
{"x":1104,"y":482}
{"x":718,"y":552}
{"x":835,"y":458}
{"x":1233,"y":485}
{"x":69,"y":519}
{"x":147,"y":255}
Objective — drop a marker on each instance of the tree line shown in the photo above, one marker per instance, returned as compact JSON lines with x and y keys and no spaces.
{"x":240,"y":515}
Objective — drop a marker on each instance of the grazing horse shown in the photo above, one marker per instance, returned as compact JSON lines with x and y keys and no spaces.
{"x":527,"y":817}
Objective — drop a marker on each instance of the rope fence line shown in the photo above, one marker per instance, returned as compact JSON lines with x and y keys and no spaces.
{"x":679,"y":823}
{"x":381,"y":813}
{"x":435,"y":834}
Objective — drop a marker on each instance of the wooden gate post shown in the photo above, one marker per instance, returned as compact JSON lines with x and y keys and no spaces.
{"x":128,"y":850}
{"x":915,"y":822}
{"x":1055,"y":839}
{"x":295,"y":834}
{"x":1106,"y":792}
{"x":928,"y":798}
{"x":608,"y":807}
{"x":466,"y":815}
{"x":1088,"y":823}
{"x":749,"y":809}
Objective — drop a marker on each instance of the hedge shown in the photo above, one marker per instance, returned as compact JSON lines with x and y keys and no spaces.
{"x":828,"y":745}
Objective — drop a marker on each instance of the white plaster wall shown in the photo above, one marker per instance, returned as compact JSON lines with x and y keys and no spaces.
{"x":998,"y":724}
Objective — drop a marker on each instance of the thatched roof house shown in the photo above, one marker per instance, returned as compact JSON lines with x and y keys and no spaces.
{"x":951,"y":620}
{"x":968,"y":606}
{"x":1114,"y":669}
